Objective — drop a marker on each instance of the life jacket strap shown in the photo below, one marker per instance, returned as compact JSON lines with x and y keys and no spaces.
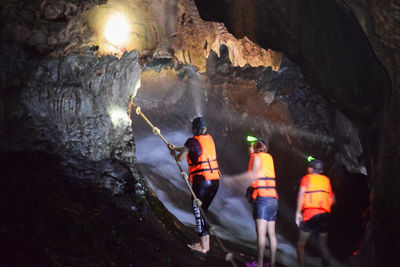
{"x":264,"y":187}
{"x":316,"y":191}
{"x":200,"y":162}
{"x":203,"y":170}
{"x":265,"y":178}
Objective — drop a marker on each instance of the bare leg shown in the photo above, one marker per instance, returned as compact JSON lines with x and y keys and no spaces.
{"x":261,"y":227}
{"x":301,"y":245}
{"x":323,"y":241}
{"x":272,"y":242}
{"x":205,"y":242}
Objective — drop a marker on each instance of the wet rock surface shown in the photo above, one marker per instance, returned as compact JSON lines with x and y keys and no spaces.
{"x":53,"y":220}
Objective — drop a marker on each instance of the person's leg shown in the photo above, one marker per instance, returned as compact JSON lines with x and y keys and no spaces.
{"x":272,"y":242}
{"x":323,"y":241}
{"x":205,"y":191}
{"x":201,"y":246}
{"x":199,"y":222}
{"x":206,"y":195}
{"x":261,"y":227}
{"x":205,"y":242}
{"x":301,"y":245}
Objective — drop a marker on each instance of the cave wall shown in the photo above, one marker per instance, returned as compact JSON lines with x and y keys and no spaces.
{"x":347,"y":50}
{"x":65,"y":106}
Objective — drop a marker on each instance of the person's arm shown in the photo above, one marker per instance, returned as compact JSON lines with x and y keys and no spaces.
{"x":255,"y":167}
{"x":300,"y":196}
{"x":183,"y":151}
{"x":249,"y":175}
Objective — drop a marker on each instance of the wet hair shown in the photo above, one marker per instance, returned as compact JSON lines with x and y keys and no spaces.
{"x":198,"y":125}
{"x":260,"y":146}
{"x":317,"y":166}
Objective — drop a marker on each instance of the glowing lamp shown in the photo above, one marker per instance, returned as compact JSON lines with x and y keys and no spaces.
{"x":310,"y":158}
{"x":117,"y":29}
{"x":251,"y":139}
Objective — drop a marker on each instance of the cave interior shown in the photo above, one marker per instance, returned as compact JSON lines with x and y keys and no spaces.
{"x":87,"y":183}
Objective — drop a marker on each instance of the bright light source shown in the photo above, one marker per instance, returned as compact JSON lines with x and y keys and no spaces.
{"x":251,"y":139}
{"x":310,"y":158}
{"x":119,"y":116}
{"x":117,"y":29}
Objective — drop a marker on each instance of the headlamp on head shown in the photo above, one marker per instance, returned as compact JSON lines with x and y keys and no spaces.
{"x":317,"y":165}
{"x":257,"y":143}
{"x":251,"y":139}
{"x":310,"y":158}
{"x":198,"y":126}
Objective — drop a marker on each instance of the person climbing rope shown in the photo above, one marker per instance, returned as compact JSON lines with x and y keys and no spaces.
{"x":204,"y":174}
{"x":196,"y":201}
{"x":314,"y":201}
{"x":263,"y":196}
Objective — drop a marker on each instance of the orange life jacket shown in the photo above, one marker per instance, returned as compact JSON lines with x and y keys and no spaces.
{"x":265,"y":185}
{"x":206,"y":164}
{"x":318,"y":194}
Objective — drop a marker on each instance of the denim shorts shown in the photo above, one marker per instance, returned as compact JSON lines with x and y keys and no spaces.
{"x":265,"y":208}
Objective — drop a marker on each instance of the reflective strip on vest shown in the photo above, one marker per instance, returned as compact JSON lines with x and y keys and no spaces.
{"x":318,"y":194}
{"x":207,"y":164}
{"x":265,"y":185}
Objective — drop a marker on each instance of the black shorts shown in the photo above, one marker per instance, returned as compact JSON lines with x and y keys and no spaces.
{"x":317,"y":224}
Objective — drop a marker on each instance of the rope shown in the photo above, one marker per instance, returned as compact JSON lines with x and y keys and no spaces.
{"x":197,"y":201}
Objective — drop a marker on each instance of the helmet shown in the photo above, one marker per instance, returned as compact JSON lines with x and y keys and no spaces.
{"x":317,"y":165}
{"x":198,"y":124}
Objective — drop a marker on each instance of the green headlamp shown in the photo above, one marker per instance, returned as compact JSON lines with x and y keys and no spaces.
{"x":310,"y":158}
{"x":251,"y":139}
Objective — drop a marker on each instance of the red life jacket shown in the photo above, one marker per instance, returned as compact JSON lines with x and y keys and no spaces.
{"x":265,"y":185}
{"x":318,"y":194}
{"x":206,"y":164}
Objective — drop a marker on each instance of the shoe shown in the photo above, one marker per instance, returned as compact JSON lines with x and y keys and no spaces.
{"x":252,"y":264}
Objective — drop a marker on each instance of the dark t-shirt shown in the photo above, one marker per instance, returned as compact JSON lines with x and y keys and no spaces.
{"x":194,"y":149}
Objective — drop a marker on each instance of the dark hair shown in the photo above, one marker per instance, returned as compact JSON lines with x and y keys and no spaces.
{"x":260,"y":146}
{"x":198,"y":125}
{"x":317,"y":165}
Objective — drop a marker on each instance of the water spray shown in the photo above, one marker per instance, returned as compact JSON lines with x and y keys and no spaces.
{"x":196,"y":200}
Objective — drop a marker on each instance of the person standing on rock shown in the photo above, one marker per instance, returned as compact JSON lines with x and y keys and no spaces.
{"x":204,"y":175}
{"x":263,"y":197}
{"x":314,"y":201}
